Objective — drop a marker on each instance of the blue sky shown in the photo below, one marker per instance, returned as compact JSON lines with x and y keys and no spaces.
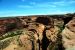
{"x":35,"y":7}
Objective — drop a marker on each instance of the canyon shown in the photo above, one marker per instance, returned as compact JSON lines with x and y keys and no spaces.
{"x":38,"y":32}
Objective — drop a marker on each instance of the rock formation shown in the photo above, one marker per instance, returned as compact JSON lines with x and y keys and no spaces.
{"x":42,"y":32}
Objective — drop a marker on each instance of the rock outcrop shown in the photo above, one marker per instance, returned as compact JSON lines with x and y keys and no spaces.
{"x":68,"y":35}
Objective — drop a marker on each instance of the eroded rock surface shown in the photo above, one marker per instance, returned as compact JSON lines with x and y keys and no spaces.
{"x":38,"y":33}
{"x":68,"y":35}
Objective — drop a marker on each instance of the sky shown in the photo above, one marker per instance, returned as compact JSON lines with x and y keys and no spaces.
{"x":35,"y":7}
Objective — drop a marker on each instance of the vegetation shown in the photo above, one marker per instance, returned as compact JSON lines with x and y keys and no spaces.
{"x":11,"y":34}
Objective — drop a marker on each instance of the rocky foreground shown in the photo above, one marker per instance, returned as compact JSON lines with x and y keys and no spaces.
{"x":42,"y":32}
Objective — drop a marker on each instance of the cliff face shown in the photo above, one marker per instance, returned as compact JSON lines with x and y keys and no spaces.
{"x":53,"y":32}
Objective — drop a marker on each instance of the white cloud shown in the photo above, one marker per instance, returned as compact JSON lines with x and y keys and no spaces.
{"x":24,"y":6}
{"x":37,"y":5}
{"x":47,"y":4}
{"x":43,"y":5}
{"x":63,"y":3}
{"x":60,"y":3}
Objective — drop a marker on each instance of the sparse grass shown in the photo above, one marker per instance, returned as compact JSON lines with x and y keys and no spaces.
{"x":4,"y":43}
{"x":11,"y":34}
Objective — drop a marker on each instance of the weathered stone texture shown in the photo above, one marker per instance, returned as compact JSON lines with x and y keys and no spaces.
{"x":38,"y":33}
